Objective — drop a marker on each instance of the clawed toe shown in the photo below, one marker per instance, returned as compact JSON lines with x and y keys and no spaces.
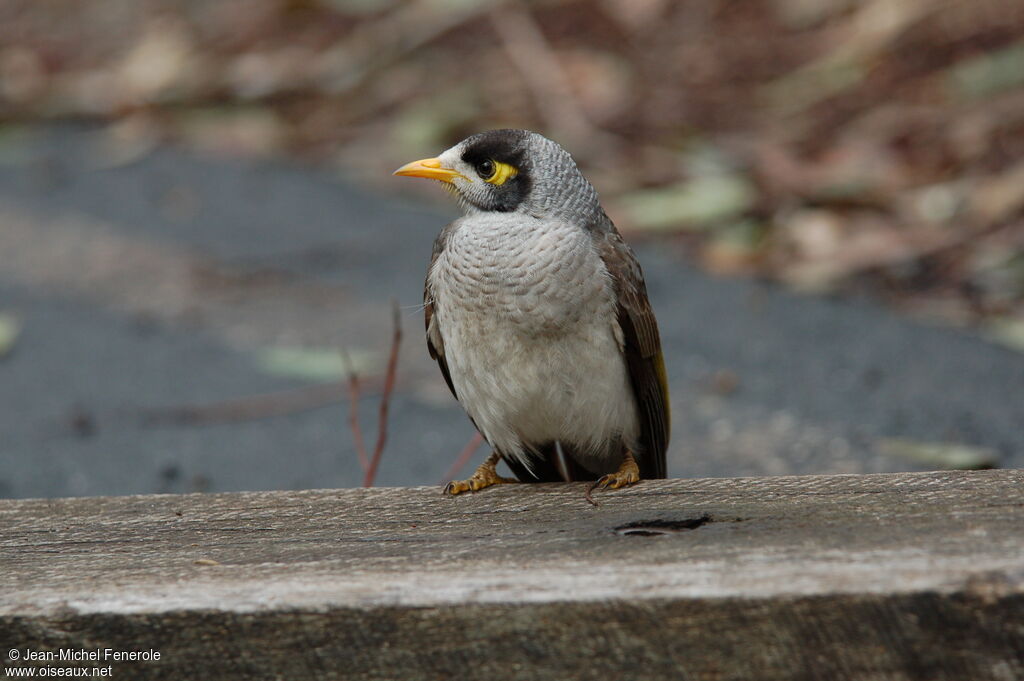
{"x":628,"y":474}
{"x":617,"y":480}
{"x":484,"y":477}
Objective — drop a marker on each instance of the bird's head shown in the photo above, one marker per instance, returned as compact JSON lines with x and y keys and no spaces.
{"x":511,"y":171}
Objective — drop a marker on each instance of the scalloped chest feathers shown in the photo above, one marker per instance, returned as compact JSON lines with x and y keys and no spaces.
{"x":527,"y":314}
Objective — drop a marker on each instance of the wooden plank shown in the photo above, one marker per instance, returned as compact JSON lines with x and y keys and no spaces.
{"x":897,"y":576}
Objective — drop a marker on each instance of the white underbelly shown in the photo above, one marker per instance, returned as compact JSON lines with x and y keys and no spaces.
{"x":524,"y":392}
{"x":532,"y":350}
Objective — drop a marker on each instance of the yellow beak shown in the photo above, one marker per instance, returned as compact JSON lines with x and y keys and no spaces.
{"x":430,"y":168}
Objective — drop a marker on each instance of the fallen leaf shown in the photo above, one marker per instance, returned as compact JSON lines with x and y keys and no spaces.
{"x":804,"y":14}
{"x":318,"y":364}
{"x":871,"y":31}
{"x":158,"y":61}
{"x":816,"y":82}
{"x":813,"y":234}
{"x":602,"y":82}
{"x":425,"y":125}
{"x":940,"y":455}
{"x":10,"y":328}
{"x":635,"y":15}
{"x":692,"y":204}
{"x":724,"y":382}
{"x":1000,"y":197}
{"x":734,"y":248}
{"x":989,"y":73}
{"x":997,"y":273}
{"x":1007,"y":331}
{"x":23,"y":76}
{"x":935,"y":204}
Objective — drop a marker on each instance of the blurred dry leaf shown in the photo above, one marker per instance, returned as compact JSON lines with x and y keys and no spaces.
{"x":600,"y":81}
{"x":866,"y":248}
{"x":999,"y":197}
{"x":996,"y":271}
{"x":802,"y":14}
{"x":870,"y":31}
{"x":695,"y":204}
{"x":813,"y":234}
{"x":157,"y":62}
{"x":808,"y":86}
{"x":10,"y":329}
{"x":318,"y":364}
{"x":544,"y":76}
{"x":989,"y":74}
{"x":724,"y":382}
{"x":376,"y":44}
{"x":256,"y":75}
{"x":88,"y":92}
{"x":940,"y":455}
{"x":425,"y":127}
{"x":935,"y":204}
{"x":876,"y":24}
{"x":734,"y":248}
{"x":1007,"y":331}
{"x":23,"y":76}
{"x":236,"y":130}
{"x":635,"y":15}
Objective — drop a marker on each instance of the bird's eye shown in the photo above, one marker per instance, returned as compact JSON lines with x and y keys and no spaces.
{"x":496,"y":172}
{"x":485,"y":169}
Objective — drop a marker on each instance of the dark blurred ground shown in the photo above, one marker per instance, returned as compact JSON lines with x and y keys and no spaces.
{"x":173,"y":233}
{"x":178,"y":280}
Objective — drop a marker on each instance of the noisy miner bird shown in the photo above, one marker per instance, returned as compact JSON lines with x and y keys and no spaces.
{"x":537,"y":314}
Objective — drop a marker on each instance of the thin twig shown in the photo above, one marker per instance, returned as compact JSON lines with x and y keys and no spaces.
{"x":353,"y":411}
{"x":464,"y":456}
{"x":385,"y":400}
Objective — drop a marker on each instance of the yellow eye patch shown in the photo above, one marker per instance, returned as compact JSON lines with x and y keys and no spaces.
{"x":503,"y":172}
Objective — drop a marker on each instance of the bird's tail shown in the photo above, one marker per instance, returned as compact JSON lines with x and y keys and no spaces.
{"x":550,"y":462}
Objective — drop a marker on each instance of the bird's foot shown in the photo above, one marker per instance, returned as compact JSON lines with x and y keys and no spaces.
{"x":627,"y":474}
{"x":485,"y":476}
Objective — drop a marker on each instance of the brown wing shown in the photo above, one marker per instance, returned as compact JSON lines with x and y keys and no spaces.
{"x":435,"y":344}
{"x":641,"y":347}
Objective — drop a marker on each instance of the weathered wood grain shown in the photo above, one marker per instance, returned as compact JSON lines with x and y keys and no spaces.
{"x":904,"y":576}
